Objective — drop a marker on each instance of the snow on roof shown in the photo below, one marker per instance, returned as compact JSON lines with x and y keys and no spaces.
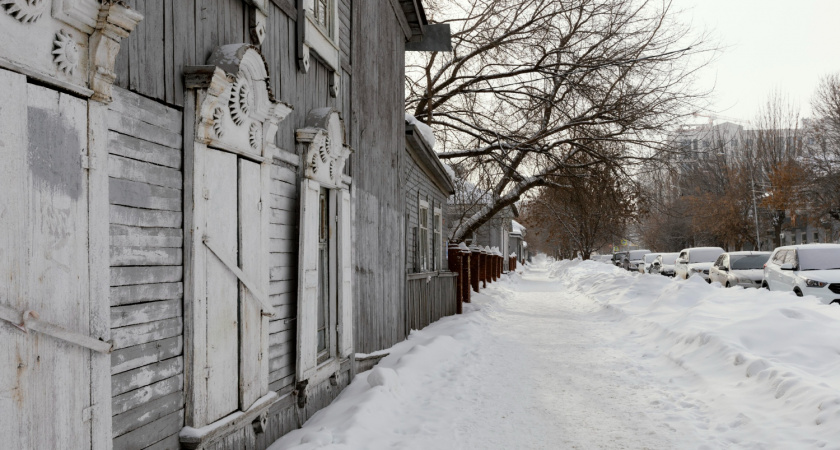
{"x":425,"y":130}
{"x":516,"y":227}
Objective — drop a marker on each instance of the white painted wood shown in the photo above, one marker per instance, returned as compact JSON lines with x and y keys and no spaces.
{"x":345,"y":263}
{"x":29,"y":323}
{"x":257,"y":294}
{"x":251,"y":305}
{"x":308,"y":279}
{"x":98,"y":240}
{"x":45,"y":265}
{"x":222,"y":286}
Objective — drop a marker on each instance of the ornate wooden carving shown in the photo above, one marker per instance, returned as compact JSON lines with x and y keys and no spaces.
{"x":325,"y":150}
{"x":114,"y":23}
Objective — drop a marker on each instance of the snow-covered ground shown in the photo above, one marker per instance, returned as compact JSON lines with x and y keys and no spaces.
{"x":585,"y":355}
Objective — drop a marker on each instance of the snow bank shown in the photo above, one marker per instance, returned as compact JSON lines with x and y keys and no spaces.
{"x":372,"y":411}
{"x":777,"y":348}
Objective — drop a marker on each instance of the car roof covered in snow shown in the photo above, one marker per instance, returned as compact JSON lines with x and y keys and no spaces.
{"x":747,"y":253}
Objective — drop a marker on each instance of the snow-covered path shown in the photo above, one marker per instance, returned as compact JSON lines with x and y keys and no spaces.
{"x":537,"y":362}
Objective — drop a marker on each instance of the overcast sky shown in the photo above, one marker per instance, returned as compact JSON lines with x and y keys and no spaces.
{"x":784,"y":44}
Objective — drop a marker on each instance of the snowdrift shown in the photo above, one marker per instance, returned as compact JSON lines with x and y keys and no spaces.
{"x":780,"y":349}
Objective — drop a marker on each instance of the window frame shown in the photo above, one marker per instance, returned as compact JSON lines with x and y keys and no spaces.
{"x":437,"y":238}
{"x":423,"y":235}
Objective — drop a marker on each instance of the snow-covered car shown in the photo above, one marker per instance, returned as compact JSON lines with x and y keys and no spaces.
{"x":647,"y":262}
{"x":664,"y":264}
{"x":618,"y":258}
{"x":634,"y":258}
{"x":739,"y":269}
{"x":696,"y":260}
{"x":808,"y":269}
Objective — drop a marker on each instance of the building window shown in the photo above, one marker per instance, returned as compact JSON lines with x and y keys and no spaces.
{"x":326,"y":320}
{"x":804,"y":237}
{"x":816,"y":236}
{"x":323,"y":15}
{"x":438,"y":242}
{"x":423,"y":236}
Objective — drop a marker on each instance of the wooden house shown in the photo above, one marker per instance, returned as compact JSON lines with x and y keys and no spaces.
{"x":200,"y":203}
{"x":429,"y":285}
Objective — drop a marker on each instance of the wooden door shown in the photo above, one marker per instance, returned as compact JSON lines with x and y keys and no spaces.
{"x":45,"y":390}
{"x":221,"y":227}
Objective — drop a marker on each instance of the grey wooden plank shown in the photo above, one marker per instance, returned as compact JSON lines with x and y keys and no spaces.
{"x":284,"y":189}
{"x":282,"y":245}
{"x":171,"y":442}
{"x":288,"y":299}
{"x":283,"y":348}
{"x":276,"y":231}
{"x":146,"y":375}
{"x":282,"y":273}
{"x":131,"y":169}
{"x":281,"y":217}
{"x":144,"y":354}
{"x":281,"y":337}
{"x":146,"y":332}
{"x":135,"y":106}
{"x":281,"y":287}
{"x":132,"y":399}
{"x":282,"y":372}
{"x":124,"y":215}
{"x":142,"y":150}
{"x":122,"y":316}
{"x":281,"y":383}
{"x":130,"y":236}
{"x":136,"y":44}
{"x":169,"y":52}
{"x":138,"y":128}
{"x":183,"y":17}
{"x":122,"y":276}
{"x":146,"y":256}
{"x":138,"y":293}
{"x":146,"y":413}
{"x":143,"y":195}
{"x":288,"y":8}
{"x":151,"y":433}
{"x":283,"y":174}
{"x":280,"y":325}
{"x":283,"y":202}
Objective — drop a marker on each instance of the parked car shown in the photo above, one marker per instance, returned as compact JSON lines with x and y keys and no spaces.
{"x":634,"y":258}
{"x":739,"y":269}
{"x":696,"y":260}
{"x":647,"y":262}
{"x":664,"y":264}
{"x":618,"y":258}
{"x":808,"y":269}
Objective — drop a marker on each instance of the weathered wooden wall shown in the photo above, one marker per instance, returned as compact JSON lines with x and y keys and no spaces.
{"x":377,"y":136}
{"x":418,"y":186}
{"x":145,"y":189}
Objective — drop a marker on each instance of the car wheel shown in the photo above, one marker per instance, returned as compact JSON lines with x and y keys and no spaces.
{"x":836,"y":302}
{"x":728,"y":285}
{"x":764,"y":285}
{"x":797,"y":291}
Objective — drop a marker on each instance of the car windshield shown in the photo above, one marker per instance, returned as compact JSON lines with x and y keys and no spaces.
{"x":670,"y":258}
{"x":748,"y":262}
{"x":701,"y":256}
{"x":819,"y":258}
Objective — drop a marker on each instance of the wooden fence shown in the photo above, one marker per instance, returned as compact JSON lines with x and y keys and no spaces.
{"x":430,"y":296}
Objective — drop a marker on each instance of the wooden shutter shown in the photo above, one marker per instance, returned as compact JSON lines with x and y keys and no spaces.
{"x":308,"y":279}
{"x":221,"y":226}
{"x":251,"y":249}
{"x":45,"y":382}
{"x":345,"y":263}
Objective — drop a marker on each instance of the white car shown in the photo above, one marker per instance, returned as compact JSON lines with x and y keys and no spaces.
{"x":634,"y":258}
{"x":696,"y":260}
{"x":739,"y":269}
{"x":647,"y":262}
{"x":664,"y":264}
{"x":809,"y":269}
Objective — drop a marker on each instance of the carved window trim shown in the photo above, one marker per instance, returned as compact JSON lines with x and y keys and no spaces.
{"x":229,"y":108}
{"x":323,"y":42}
{"x":324,"y":153}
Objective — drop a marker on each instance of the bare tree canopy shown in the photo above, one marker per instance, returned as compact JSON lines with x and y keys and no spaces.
{"x":533,"y":85}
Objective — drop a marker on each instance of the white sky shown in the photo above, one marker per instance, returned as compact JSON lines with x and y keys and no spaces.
{"x":770,"y":44}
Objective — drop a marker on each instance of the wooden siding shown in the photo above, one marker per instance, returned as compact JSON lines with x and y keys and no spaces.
{"x":145,"y":190}
{"x":429,"y":297}
{"x":378,"y":137}
{"x":418,"y":185}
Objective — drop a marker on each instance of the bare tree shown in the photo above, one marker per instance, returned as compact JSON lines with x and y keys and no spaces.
{"x":823,"y":145}
{"x":531,"y":85}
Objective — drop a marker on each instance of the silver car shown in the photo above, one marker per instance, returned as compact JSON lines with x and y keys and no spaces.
{"x":634,"y":258}
{"x":696,"y":261}
{"x":739,"y":269}
{"x":647,"y":262}
{"x":664,"y":264}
